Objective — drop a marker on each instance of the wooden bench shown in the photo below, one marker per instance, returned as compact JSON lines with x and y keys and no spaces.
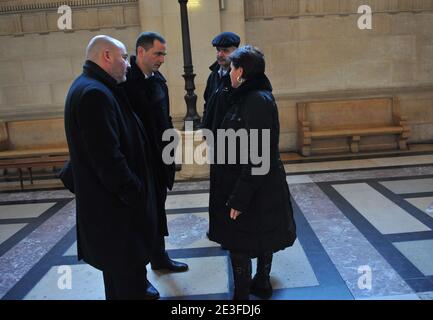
{"x":29,"y":163}
{"x":351,"y":126}
{"x":27,"y":144}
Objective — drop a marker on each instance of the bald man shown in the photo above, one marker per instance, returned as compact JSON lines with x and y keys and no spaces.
{"x":113,"y":184}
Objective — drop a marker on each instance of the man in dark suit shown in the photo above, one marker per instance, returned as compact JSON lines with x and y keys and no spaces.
{"x":218,"y":85}
{"x":218,"y":90}
{"x":148,"y":93}
{"x":112,"y":181}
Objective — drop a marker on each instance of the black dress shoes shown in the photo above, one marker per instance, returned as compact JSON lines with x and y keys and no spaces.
{"x":151,"y":292}
{"x":170,"y":265}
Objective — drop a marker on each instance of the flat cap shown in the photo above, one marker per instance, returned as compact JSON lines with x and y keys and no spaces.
{"x":226,"y":39}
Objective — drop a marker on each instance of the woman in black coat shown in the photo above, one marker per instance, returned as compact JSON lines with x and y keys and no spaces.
{"x":250,"y":210}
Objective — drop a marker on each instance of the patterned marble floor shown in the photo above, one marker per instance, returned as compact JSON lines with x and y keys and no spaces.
{"x":365,"y":231}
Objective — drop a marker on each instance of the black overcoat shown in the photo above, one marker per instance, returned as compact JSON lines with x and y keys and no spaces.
{"x":114,"y":188}
{"x":150,"y":100}
{"x":266,"y":222}
{"x":215,"y":96}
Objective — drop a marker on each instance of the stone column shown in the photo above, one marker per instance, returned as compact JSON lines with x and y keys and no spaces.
{"x":193,"y":142}
{"x":150,"y":12}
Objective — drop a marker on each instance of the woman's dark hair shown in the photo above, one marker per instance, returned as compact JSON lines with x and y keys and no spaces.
{"x":251,"y":59}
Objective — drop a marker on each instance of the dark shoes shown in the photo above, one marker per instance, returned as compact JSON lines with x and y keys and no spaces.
{"x":163,"y":264}
{"x":151,"y":292}
{"x":170,"y":265}
{"x":261,"y":287}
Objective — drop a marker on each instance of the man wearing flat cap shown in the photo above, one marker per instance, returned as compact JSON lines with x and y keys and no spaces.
{"x":217,"y":91}
{"x":218,"y":84}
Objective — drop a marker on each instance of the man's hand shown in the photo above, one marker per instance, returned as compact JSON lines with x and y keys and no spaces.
{"x":234,"y":214}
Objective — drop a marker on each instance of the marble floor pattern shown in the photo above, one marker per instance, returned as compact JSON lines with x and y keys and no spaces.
{"x":365,"y":231}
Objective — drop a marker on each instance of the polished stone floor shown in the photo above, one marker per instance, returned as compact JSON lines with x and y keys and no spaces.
{"x":365,"y":231}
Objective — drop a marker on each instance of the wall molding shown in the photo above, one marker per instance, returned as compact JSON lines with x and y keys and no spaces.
{"x":18,"y":7}
{"x":269,"y":9}
{"x":86,"y":15}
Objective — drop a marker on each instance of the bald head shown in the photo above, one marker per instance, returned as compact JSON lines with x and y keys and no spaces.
{"x":110,"y":54}
{"x":99,"y":44}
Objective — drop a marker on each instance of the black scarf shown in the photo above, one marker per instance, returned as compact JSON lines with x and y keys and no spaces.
{"x":260,"y":82}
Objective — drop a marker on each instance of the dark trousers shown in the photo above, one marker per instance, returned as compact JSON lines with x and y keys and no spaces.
{"x":241,"y":267}
{"x":159,"y":253}
{"x":125,"y":284}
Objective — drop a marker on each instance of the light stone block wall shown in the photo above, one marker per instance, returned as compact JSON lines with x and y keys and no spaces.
{"x":38,"y":62}
{"x":316,"y":54}
{"x":36,"y":70}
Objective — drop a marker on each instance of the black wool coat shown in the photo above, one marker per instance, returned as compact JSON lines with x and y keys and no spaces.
{"x":150,"y":100}
{"x":266,"y":222}
{"x":216,"y":96}
{"x":114,"y":188}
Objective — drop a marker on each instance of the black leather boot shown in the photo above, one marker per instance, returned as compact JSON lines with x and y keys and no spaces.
{"x":261,"y":284}
{"x":241,"y":266}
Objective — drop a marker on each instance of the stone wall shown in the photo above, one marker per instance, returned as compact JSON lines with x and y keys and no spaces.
{"x":38,"y":62}
{"x":315,"y":50}
{"x":296,"y":8}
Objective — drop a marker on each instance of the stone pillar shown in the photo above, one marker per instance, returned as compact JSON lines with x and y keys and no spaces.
{"x":150,"y":13}
{"x":192,"y":142}
{"x":233,"y":17}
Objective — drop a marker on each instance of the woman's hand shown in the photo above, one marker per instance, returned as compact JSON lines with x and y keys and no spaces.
{"x":234,"y":214}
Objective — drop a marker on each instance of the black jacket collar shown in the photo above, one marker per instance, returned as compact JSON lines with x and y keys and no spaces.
{"x":215,"y":68}
{"x":136,"y":73}
{"x":261,"y":83}
{"x":94,"y":71}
